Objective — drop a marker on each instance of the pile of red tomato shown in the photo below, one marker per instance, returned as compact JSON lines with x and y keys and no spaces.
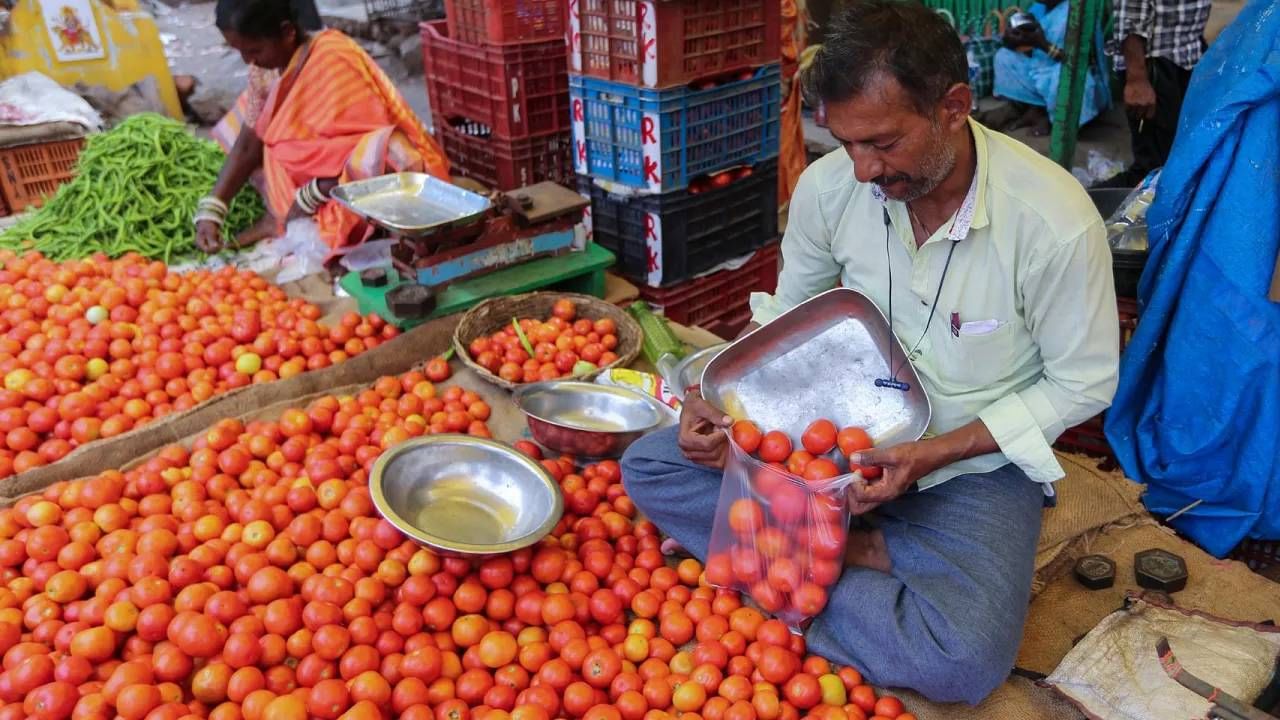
{"x":782,"y":538}
{"x":250,"y":578}
{"x":811,"y":460}
{"x":94,"y":348}
{"x":562,"y":345}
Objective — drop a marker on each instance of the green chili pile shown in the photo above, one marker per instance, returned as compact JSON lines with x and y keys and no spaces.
{"x":135,"y":190}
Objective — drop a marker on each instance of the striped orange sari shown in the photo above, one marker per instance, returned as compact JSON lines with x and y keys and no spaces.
{"x":332,"y":113}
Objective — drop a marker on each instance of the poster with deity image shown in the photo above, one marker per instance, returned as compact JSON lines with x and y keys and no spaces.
{"x":73,"y":29}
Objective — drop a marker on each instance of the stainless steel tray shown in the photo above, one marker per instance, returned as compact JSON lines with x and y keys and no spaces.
{"x":411,"y":204}
{"x":820,"y":360}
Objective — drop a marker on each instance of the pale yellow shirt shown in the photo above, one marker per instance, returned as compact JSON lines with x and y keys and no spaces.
{"x":1032,"y":280}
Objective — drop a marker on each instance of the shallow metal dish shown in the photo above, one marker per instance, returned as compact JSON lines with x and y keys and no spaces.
{"x":465,"y":496}
{"x":582,"y":418}
{"x":411,"y":204}
{"x":680,"y":374}
{"x":820,"y":360}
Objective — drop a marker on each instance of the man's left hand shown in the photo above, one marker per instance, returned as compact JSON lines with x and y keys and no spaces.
{"x":902,"y":465}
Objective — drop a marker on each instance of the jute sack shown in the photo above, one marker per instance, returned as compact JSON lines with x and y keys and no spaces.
{"x":1065,"y":611}
{"x":1089,"y":500}
{"x":1017,"y":699}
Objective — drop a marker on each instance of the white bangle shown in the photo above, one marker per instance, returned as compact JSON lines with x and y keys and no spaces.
{"x":207,"y":216}
{"x":309,"y":197}
{"x":209,"y":202}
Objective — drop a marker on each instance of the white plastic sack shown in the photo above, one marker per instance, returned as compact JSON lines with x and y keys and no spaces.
{"x":298,"y":254}
{"x":373,"y":254}
{"x":35,"y":99}
{"x":1115,"y":674}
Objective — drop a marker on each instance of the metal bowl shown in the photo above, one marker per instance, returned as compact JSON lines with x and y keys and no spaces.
{"x":585,"y":419}
{"x":465,"y":496}
{"x":682,"y":373}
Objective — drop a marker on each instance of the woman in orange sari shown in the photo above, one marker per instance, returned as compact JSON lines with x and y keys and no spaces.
{"x":330,"y":117}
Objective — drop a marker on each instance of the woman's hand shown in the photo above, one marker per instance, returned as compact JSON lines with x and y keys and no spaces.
{"x":295,"y":213}
{"x":209,"y":236}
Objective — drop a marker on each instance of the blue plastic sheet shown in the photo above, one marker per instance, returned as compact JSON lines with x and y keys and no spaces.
{"x":1197,"y":413}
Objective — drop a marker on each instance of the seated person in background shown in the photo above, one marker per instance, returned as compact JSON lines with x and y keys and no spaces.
{"x":331,"y":116}
{"x":1027,"y":68}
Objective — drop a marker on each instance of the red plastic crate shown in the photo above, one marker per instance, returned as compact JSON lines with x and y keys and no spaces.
{"x":504,"y":164}
{"x":720,"y":298}
{"x":505,"y":21}
{"x":1088,"y":437}
{"x":516,"y":90}
{"x":30,"y":173}
{"x":659,"y":44}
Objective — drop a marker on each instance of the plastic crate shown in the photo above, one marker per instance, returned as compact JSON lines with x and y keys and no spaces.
{"x":30,"y":173}
{"x":406,"y":11}
{"x":516,"y":90}
{"x":504,"y":164}
{"x":505,"y":21}
{"x":1088,"y":437}
{"x":1259,"y":555}
{"x":664,"y":239}
{"x":660,"y":44}
{"x":719,"y":297}
{"x":660,"y":140}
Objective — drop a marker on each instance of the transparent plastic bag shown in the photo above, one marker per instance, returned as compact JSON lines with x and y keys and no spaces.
{"x":1127,"y":226}
{"x":778,"y":538}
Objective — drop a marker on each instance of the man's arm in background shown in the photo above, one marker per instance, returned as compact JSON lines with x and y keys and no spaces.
{"x":1135,"y":21}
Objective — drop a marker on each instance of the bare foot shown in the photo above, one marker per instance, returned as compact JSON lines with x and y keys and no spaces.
{"x":263,"y":229}
{"x":867,"y":548}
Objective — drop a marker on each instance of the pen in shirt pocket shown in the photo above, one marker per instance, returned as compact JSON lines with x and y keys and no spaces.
{"x":955,"y":324}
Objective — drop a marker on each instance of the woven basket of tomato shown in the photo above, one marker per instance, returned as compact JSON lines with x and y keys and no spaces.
{"x":545,"y":336}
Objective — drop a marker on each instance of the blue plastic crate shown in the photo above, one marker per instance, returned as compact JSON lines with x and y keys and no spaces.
{"x":659,"y":140}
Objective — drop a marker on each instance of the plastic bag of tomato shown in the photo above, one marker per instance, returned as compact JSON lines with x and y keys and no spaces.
{"x":782,"y":518}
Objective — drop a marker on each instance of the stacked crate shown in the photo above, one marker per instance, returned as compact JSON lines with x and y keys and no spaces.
{"x":675,"y":118}
{"x":497,"y":83}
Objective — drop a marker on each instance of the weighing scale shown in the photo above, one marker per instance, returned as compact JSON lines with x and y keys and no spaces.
{"x":447,"y":237}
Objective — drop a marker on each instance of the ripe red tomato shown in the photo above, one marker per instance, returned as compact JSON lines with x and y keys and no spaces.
{"x":820,"y":437}
{"x":819,"y":470}
{"x":775,"y":446}
{"x":747,"y":435}
{"x":803,"y":691}
{"x":853,"y":439}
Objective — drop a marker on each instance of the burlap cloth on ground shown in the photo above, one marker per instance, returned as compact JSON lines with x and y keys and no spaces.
{"x":1063,"y":611}
{"x":1089,"y":500}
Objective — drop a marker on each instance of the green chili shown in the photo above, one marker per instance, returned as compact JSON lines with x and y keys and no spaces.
{"x":135,"y":189}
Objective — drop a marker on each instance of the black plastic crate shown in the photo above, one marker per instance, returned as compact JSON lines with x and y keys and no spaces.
{"x":664,"y":239}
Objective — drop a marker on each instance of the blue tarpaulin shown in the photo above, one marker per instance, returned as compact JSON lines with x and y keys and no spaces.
{"x":1197,"y":413}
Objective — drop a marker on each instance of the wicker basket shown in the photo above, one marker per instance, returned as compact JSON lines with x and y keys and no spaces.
{"x":494,"y":314}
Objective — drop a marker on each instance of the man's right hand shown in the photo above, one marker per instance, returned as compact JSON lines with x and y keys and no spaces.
{"x":208,"y":236}
{"x":1140,"y":97}
{"x":702,"y":438}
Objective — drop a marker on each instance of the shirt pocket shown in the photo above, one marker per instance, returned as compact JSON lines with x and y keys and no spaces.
{"x":972,"y":362}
